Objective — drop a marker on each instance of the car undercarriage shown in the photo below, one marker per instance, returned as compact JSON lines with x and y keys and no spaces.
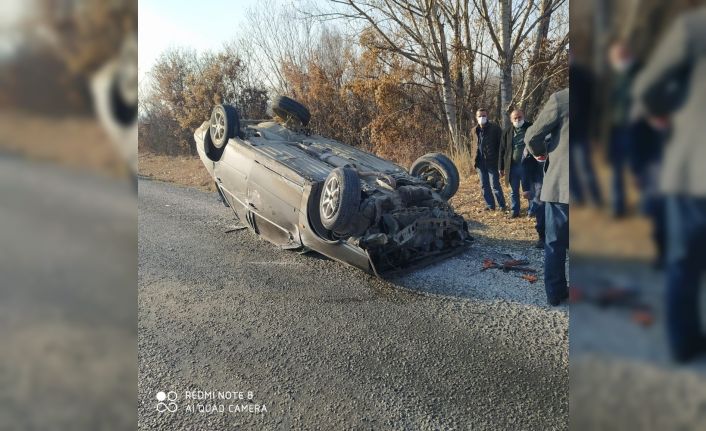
{"x":299,"y":190}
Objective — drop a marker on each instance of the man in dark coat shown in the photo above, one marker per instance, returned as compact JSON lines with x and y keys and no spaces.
{"x":485,"y":149}
{"x":512,"y":154}
{"x":583,"y":183}
{"x":622,"y":134}
{"x":554,"y":120}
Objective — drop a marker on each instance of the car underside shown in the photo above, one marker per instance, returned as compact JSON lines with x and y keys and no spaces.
{"x":298,"y":190}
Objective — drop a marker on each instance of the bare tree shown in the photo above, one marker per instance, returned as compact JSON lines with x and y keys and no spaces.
{"x":441,"y":36}
{"x":432,"y":34}
{"x":509,"y":28}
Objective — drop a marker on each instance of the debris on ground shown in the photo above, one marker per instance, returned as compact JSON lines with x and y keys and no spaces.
{"x":608,"y":293}
{"x":512,"y":265}
{"x":643,"y":316}
{"x":604,"y":294}
{"x":235,"y":228}
{"x":508,"y":265}
{"x":530,"y":277}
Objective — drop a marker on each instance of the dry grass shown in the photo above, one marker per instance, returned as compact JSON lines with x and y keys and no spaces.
{"x":184,"y":170}
{"x":595,"y":233}
{"x":493,"y":225}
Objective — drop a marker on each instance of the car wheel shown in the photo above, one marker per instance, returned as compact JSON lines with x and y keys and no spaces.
{"x":213,"y":153}
{"x":224,"y":124}
{"x":286,"y":107}
{"x":439,"y":172}
{"x":340,"y":199}
{"x":123,"y":110}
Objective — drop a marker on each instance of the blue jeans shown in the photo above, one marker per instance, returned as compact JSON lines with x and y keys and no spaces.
{"x":515,"y":179}
{"x":536,"y":207}
{"x":490,"y":184}
{"x":620,"y":147}
{"x":686,"y":245}
{"x":581,"y":174}
{"x":556,"y":244}
{"x":540,"y":226}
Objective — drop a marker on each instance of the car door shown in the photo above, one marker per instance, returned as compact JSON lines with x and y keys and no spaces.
{"x":232,"y":172}
{"x":275,"y":200}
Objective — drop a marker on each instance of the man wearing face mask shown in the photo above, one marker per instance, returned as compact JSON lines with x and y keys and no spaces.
{"x":485,"y":149}
{"x":511,"y":160}
{"x":622,"y":129}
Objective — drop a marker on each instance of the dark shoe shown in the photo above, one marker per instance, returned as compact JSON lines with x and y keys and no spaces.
{"x":489,"y":209}
{"x":539,"y":244}
{"x":556,"y":301}
{"x":503,"y":209}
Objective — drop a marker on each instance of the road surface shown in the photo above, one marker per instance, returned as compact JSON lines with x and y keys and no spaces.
{"x":323,"y":345}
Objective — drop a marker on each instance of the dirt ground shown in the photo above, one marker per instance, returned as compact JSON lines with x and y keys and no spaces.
{"x":184,"y":170}
{"x":77,"y":142}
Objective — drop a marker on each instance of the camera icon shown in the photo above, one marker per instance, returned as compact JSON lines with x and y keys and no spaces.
{"x":166,"y":401}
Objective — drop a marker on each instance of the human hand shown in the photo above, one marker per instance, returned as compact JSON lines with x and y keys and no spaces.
{"x":526,"y":195}
{"x":659,"y":123}
{"x":502,"y":173}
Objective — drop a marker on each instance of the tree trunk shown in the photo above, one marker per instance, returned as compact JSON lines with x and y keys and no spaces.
{"x":506,"y":61}
{"x":537,"y":66}
{"x":448,"y":94}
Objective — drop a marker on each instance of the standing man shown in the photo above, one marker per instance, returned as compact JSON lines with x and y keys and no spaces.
{"x":485,"y":142}
{"x":512,"y":155}
{"x":554,"y":120}
{"x":583,"y":183}
{"x":621,"y":134}
{"x":672,"y":91}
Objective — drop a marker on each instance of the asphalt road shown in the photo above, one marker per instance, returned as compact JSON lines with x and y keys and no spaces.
{"x":324,"y":346}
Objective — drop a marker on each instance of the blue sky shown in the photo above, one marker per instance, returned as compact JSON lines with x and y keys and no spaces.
{"x":201,"y":25}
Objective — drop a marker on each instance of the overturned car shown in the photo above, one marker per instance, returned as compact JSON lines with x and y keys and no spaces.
{"x":298,"y":190}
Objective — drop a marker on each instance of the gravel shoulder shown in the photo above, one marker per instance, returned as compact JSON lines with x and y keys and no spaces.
{"x":324,"y":345}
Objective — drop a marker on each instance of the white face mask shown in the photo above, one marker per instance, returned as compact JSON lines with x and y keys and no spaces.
{"x":518,"y":123}
{"x":482,"y":120}
{"x":622,"y":66}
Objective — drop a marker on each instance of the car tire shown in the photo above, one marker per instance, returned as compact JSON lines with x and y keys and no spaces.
{"x":224,"y":125}
{"x":213,"y":153}
{"x":439,"y":171}
{"x":286,"y":107}
{"x":340,"y":200}
{"x":123,"y":111}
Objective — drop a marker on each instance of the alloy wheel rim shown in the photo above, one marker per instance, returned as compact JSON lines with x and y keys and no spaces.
{"x":329,"y":203}
{"x":218,"y":126}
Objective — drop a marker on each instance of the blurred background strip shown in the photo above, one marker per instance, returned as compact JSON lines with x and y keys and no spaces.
{"x":637,"y":244}
{"x":68,"y":214}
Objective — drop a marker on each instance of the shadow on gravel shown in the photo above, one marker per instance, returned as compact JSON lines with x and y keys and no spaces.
{"x":464,"y":276}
